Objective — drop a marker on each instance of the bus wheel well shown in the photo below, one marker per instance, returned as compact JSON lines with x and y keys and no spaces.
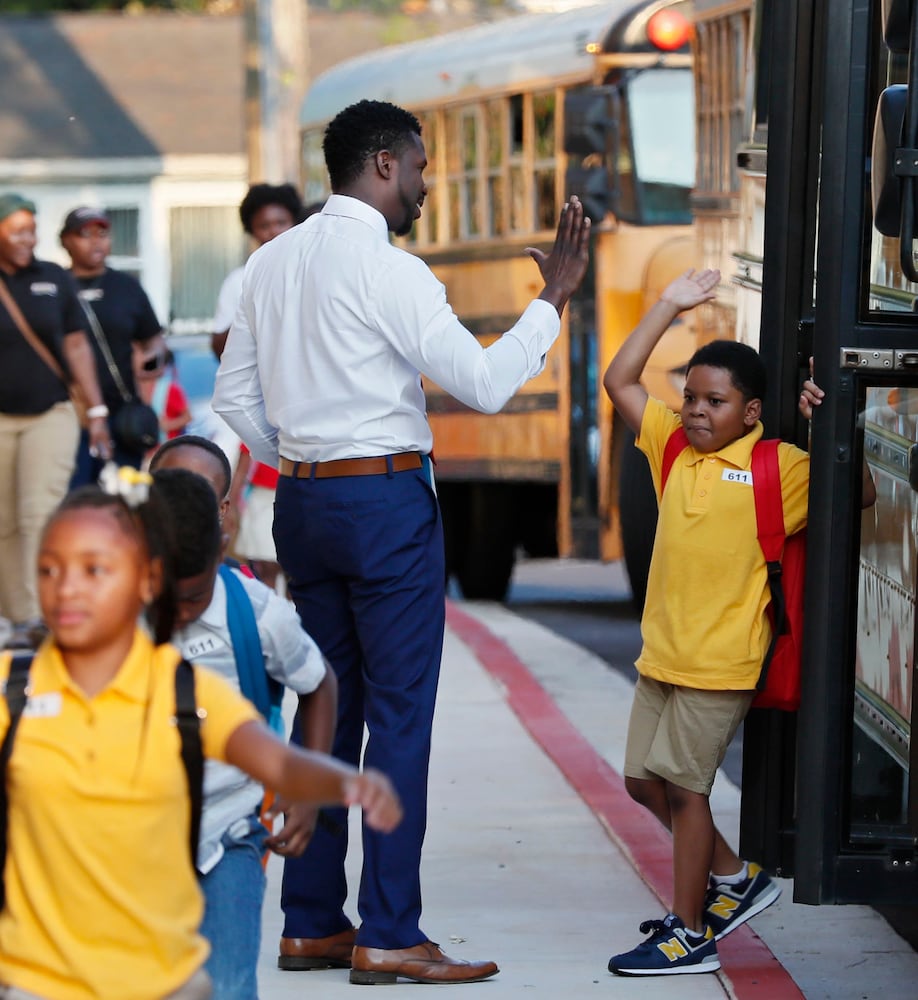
{"x":483,"y":525}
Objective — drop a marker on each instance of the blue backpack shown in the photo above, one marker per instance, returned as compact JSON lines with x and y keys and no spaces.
{"x":265,"y":693}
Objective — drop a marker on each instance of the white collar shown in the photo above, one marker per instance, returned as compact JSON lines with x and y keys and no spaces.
{"x":354,"y":208}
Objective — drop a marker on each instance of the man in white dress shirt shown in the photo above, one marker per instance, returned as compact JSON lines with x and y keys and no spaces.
{"x":321,"y":376}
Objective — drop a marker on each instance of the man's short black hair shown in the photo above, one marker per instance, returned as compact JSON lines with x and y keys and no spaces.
{"x":747,"y":372}
{"x":260,"y":195}
{"x":192,"y":505}
{"x":362,"y":130}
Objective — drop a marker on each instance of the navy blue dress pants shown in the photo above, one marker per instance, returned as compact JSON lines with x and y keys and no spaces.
{"x":364,"y":562}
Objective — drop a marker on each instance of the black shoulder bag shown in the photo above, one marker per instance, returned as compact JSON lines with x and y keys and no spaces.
{"x":135,"y":425}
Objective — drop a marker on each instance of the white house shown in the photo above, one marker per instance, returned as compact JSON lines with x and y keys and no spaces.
{"x":142,"y":115}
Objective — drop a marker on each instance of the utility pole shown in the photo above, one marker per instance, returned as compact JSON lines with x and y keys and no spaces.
{"x":276,"y":71}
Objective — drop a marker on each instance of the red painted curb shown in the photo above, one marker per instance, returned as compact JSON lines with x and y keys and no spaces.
{"x":752,"y":969}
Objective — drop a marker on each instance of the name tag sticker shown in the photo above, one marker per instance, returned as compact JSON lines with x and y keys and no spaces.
{"x":43,"y":706}
{"x":192,"y":648}
{"x":738,"y":476}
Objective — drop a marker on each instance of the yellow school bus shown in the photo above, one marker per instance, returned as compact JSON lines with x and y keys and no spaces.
{"x":516,"y":116}
{"x":825,"y":267}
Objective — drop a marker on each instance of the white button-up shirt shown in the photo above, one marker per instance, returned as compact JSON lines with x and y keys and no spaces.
{"x":333,"y":329}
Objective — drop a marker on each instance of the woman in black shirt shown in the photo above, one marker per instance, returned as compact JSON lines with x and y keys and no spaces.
{"x":38,"y":425}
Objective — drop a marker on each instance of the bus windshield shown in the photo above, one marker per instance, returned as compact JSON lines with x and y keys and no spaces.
{"x":662,"y":118}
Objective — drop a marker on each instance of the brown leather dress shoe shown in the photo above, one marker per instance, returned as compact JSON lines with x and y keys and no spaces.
{"x":424,"y":963}
{"x":303,"y":954}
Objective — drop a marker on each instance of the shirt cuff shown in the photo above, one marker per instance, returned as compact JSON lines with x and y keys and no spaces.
{"x":535,"y":331}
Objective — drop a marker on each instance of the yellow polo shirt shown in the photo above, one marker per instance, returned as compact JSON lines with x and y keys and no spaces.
{"x":704,"y":622}
{"x":101,"y":897}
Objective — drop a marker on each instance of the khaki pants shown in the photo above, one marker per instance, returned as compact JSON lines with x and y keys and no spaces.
{"x":37,"y":456}
{"x":197,"y":988}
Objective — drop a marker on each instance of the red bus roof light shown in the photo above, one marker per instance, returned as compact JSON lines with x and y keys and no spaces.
{"x":669,"y":30}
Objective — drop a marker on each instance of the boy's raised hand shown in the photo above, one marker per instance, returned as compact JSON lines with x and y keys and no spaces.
{"x":691,"y":288}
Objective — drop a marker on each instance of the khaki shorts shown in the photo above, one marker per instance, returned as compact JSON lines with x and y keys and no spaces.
{"x":681,"y":734}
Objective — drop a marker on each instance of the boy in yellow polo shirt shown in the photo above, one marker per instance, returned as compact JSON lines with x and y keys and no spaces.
{"x":704,"y":628}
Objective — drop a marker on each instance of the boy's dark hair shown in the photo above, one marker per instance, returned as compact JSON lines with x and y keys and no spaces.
{"x":260,"y":195}
{"x":360,"y":131}
{"x":152,"y":524}
{"x":195,"y":441}
{"x":747,"y":372}
{"x":196,"y":530}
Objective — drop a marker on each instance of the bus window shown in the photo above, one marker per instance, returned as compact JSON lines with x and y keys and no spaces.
{"x":543,"y":112}
{"x":662,"y":118}
{"x":430,"y":217}
{"x":470,"y":146}
{"x":463,"y":145}
{"x":496,"y":131}
{"x":885,"y":641}
{"x":518,"y":218}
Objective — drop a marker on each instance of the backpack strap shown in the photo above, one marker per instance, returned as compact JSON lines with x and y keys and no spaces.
{"x":16,"y":694}
{"x":769,"y":517}
{"x":192,"y":751}
{"x":256,"y":684}
{"x":676,"y":443}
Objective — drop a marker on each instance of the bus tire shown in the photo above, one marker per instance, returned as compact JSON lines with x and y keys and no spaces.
{"x":638,"y":511}
{"x":453,"y":499}
{"x":536,"y":518}
{"x":485,"y":566}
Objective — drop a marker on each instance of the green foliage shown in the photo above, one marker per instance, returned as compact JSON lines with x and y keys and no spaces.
{"x":60,"y":6}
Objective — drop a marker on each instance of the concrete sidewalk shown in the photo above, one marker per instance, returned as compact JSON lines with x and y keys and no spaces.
{"x":536,"y":859}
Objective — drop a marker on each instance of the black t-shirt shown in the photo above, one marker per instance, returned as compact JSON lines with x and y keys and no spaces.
{"x":126,"y":316}
{"x":47,"y":297}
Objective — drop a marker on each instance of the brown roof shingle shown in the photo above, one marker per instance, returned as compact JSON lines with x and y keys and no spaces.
{"x":108,"y":85}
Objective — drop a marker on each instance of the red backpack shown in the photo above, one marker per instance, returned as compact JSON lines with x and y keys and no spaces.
{"x":779,"y":681}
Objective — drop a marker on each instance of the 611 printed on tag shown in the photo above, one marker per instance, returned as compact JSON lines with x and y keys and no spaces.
{"x":738,"y":476}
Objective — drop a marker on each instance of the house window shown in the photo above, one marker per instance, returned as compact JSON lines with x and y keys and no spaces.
{"x":125,"y":252}
{"x":205,"y":244}
{"x":125,"y":225}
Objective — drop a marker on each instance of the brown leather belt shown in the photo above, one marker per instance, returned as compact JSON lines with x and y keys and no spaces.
{"x":378,"y":465}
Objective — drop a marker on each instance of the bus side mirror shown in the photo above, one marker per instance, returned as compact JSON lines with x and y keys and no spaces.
{"x":589,"y":130}
{"x":588,"y":118}
{"x":894,"y":160}
{"x":885,"y":184}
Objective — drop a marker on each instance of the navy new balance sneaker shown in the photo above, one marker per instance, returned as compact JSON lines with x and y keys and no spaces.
{"x":728,"y":906}
{"x":670,"y":950}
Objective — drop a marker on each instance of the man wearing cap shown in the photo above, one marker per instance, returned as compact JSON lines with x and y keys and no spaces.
{"x":43,"y":345}
{"x":118,"y":307}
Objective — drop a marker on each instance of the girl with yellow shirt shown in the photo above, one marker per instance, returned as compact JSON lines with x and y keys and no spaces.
{"x":101,"y":897}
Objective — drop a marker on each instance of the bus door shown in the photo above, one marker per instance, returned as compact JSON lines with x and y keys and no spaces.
{"x":854,"y":798}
